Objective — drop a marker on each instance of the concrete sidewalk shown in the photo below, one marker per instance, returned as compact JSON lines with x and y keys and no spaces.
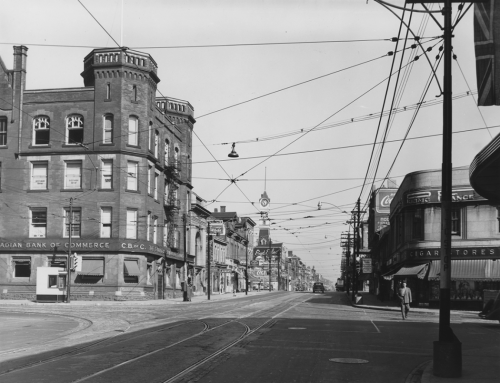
{"x":159,"y":302}
{"x":475,"y":369}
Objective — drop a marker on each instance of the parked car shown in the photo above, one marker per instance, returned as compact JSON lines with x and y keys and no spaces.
{"x":318,"y":287}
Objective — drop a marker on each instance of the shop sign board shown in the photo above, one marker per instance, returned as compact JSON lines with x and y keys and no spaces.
{"x":265,"y":251}
{"x":217,"y":227}
{"x":434,"y":196}
{"x":366,"y":265}
{"x":456,"y":253}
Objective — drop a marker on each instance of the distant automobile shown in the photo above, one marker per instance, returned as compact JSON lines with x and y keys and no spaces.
{"x":318,"y":287}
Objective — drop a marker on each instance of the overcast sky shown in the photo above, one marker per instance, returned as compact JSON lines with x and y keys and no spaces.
{"x":334,"y":35}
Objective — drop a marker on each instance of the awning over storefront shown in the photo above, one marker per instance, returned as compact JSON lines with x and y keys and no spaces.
{"x":469,"y":269}
{"x":418,"y":271}
{"x":92,"y":267}
{"x":131,"y":268}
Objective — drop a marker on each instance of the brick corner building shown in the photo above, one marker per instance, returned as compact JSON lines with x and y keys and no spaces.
{"x":103,"y":171}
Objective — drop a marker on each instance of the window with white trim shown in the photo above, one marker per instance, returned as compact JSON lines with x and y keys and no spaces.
{"x":165,"y":233}
{"x":106,"y":174}
{"x":131,"y":224}
{"x":73,"y":175}
{"x":167,"y":152}
{"x":156,"y":143}
{"x":176,"y":156}
{"x":150,"y":133}
{"x":3,"y":131}
{"x":74,"y":130}
{"x":107,"y":134}
{"x":150,"y":169}
{"x":155,"y":229}
{"x":132,"y":175}
{"x":41,"y":130}
{"x":155,"y":186}
{"x":455,"y":221}
{"x":148,"y":225}
{"x":72,"y":217}
{"x":38,"y":222}
{"x":133,"y":131}
{"x":106,"y":215}
{"x":39,"y":171}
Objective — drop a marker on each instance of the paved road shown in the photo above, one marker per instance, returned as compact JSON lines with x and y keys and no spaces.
{"x":277,"y":337}
{"x":21,"y":330}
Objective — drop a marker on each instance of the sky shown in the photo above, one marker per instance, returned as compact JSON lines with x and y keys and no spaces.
{"x":297,"y":85}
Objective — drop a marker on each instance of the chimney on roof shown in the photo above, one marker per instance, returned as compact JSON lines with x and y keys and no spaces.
{"x":215,"y":210}
{"x":222,"y":209}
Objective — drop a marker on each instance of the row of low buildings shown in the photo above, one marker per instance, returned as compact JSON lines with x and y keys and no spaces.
{"x":401,"y":240}
{"x":103,"y":173}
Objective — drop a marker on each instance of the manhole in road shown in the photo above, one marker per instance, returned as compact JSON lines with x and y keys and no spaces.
{"x":348,"y":360}
{"x":296,"y":328}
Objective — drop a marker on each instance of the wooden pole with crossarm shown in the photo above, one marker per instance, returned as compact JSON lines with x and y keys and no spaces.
{"x":448,"y":349}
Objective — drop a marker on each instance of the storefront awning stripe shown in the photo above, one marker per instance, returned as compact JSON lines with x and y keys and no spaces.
{"x":413,"y":271}
{"x":469,"y":269}
{"x":131,"y":268}
{"x":390,"y":274}
{"x":92,"y":267}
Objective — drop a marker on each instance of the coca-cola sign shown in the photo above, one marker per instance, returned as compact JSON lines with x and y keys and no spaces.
{"x":384,"y":199}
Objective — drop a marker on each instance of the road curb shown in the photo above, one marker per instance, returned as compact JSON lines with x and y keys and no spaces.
{"x":417,"y":375}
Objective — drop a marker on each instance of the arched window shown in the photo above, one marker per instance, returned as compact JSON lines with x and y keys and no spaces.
{"x":157,"y":143}
{"x":133,"y":131}
{"x":134,"y":93}
{"x":176,"y":156}
{"x":74,"y":130}
{"x":150,"y":133}
{"x":108,"y":129}
{"x":167,"y":152}
{"x":198,"y":248}
{"x":41,"y":130}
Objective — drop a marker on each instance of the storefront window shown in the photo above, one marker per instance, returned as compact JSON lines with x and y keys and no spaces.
{"x":455,"y":222}
{"x":417,"y":224}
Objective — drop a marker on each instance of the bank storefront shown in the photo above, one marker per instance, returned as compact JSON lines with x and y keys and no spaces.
{"x":104,"y":270}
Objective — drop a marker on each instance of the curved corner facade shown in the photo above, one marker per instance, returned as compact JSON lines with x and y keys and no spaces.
{"x":484,"y":171}
{"x":414,"y":241}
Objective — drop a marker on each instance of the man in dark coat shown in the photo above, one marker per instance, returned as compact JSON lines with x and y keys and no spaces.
{"x":404,"y":295}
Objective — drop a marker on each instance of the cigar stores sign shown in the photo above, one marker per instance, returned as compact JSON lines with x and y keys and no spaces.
{"x":456,"y":253}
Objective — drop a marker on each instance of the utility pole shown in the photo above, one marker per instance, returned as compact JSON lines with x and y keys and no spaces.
{"x":68,"y":263}
{"x":246,"y":266}
{"x":185,"y":289}
{"x":209,"y":261}
{"x":279,"y":272}
{"x":164,"y":274}
{"x":270,"y":256}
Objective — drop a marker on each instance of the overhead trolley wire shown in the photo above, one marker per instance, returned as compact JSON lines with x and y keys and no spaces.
{"x":383,"y":102}
{"x":206,"y":45}
{"x":295,"y":85}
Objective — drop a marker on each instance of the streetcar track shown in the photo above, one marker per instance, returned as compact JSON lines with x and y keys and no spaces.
{"x":199,"y":363}
{"x":122,"y":332}
{"x":270,"y":322}
{"x":91,"y":346}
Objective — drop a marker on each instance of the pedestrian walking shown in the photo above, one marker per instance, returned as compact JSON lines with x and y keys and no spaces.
{"x":404,"y":295}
